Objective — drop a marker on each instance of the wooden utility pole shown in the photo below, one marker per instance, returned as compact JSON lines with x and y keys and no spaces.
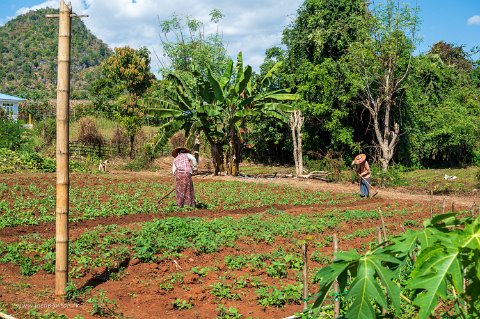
{"x":62,"y":154}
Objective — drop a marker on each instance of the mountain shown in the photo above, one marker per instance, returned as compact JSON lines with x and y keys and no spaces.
{"x":28,"y":56}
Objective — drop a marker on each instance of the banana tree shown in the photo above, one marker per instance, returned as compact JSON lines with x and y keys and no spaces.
{"x":220,"y":106}
{"x":240,"y":99}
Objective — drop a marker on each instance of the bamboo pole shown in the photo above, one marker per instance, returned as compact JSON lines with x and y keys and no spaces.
{"x":63,"y":178}
{"x":336,"y":288}
{"x":383,"y":224}
{"x":380,"y":241}
{"x":431,"y":204}
{"x":305,"y":275}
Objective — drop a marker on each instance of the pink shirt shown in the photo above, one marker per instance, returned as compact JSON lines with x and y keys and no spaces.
{"x":184,"y":162}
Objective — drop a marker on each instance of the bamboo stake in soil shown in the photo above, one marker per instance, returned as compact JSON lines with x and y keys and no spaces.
{"x":336,"y":288}
{"x":444,"y":205}
{"x":379,"y":236}
{"x":431,"y":204}
{"x":380,"y":241}
{"x":383,"y":224}
{"x":453,"y":207}
{"x":63,"y":180}
{"x":305,"y":275}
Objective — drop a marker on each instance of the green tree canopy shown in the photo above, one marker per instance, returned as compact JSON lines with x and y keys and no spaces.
{"x":126,"y":77}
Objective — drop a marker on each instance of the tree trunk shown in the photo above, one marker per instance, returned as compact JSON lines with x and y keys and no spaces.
{"x":387,"y":139}
{"x":296,"y":124}
{"x":216,"y":152}
{"x":232,"y":158}
{"x":132,"y":141}
{"x":196,"y":148}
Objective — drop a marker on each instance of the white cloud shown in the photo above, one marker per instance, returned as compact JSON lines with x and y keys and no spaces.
{"x":249,"y":26}
{"x":474,"y":20}
{"x":46,"y":4}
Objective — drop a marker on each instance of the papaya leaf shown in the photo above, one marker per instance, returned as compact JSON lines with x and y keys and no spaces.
{"x":347,"y":256}
{"x":431,"y":276}
{"x":326,"y":276}
{"x":405,"y":244}
{"x":471,"y":235}
{"x":364,"y":289}
{"x":442,"y":218}
{"x":386,"y":277}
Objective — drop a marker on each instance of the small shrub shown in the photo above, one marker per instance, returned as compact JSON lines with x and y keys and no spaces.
{"x":102,"y":306}
{"x":165,"y":286}
{"x":230,"y":313}
{"x":181,"y":304}
{"x":392,"y":177}
{"x":271,"y":296}
{"x":320,"y":258}
{"x":89,"y":133}
{"x":11,"y":135}
{"x":47,"y":129}
{"x":277,"y":270}
{"x":120,"y":141}
{"x":223,"y":291}
{"x":202,"y":272}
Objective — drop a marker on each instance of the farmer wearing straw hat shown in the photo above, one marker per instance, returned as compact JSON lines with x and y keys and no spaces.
{"x":183,"y":166}
{"x":363,"y":170}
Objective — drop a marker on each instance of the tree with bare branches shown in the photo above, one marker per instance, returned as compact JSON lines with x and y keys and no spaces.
{"x":378,"y":67}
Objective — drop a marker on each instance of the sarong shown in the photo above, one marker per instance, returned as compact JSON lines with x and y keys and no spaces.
{"x":184,"y":189}
{"x":364,"y":187}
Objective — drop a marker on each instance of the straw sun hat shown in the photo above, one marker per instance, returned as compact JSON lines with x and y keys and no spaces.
{"x":360,"y":158}
{"x":178,"y":149}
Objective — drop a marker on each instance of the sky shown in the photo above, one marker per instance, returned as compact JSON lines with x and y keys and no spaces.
{"x":250,"y":26}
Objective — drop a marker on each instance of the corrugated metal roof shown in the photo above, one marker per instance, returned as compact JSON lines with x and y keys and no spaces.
{"x":10,"y":98}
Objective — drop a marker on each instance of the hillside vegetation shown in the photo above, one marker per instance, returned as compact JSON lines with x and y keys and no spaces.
{"x":28,"y":47}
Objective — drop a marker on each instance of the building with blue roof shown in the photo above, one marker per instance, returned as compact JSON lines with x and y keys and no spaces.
{"x":10,"y":105}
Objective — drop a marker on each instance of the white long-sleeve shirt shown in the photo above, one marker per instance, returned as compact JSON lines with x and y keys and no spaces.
{"x":192,"y":160}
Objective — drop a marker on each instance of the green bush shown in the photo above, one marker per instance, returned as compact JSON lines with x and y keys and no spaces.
{"x":47,"y":130}
{"x":14,"y":161}
{"x":392,"y":177}
{"x":11,"y":135}
{"x":332,"y":165}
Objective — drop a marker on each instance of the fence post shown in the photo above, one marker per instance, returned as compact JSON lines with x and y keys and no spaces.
{"x":305,"y":275}
{"x":336,"y":288}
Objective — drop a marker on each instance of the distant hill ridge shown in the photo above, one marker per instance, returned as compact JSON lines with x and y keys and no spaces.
{"x":28,"y":51}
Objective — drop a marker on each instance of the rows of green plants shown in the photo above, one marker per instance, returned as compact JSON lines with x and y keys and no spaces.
{"x":112,"y":247}
{"x":34,"y":204}
{"x":108,"y":246}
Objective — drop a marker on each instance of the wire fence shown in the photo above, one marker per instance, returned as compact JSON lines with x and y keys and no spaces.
{"x":106,"y":151}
